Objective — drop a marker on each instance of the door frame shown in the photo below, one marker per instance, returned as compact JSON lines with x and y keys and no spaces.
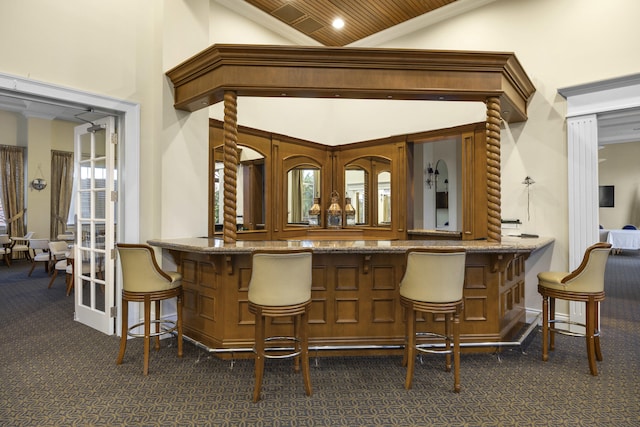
{"x":128,"y":118}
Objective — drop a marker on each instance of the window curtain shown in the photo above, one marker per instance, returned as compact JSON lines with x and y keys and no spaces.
{"x":61,"y":190}
{"x":12,"y":188}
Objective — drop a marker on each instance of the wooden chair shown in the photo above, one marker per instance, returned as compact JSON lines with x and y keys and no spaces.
{"x":58,"y":251}
{"x":40,"y":248}
{"x":144,"y":281}
{"x":5,"y":248}
{"x":21,"y":245}
{"x":584,"y":284}
{"x":280,"y":286}
{"x":433,"y":283}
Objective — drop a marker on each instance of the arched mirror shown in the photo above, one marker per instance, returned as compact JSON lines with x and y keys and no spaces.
{"x":250,"y":203}
{"x":441,"y":177}
{"x":303,"y":186}
{"x":355,"y":184}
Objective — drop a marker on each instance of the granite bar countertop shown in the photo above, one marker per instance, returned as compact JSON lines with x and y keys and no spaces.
{"x":208,"y":245}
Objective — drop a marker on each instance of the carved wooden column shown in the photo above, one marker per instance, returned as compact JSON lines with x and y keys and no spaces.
{"x":493,"y":170}
{"x":230,"y":130}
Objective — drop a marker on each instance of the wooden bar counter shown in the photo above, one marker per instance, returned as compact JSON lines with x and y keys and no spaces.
{"x":355,"y":301}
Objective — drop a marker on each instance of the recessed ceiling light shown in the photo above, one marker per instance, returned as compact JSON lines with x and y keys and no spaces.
{"x":338,"y":23}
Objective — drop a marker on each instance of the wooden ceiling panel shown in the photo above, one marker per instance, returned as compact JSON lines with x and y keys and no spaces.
{"x":362,"y":18}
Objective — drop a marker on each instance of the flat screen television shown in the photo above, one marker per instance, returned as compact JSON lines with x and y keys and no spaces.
{"x":606,"y":196}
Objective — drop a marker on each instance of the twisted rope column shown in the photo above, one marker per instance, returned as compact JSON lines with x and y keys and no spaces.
{"x":493,"y":169}
{"x":230,"y":139}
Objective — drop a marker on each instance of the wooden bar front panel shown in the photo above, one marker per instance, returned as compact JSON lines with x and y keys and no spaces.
{"x":355,"y":300}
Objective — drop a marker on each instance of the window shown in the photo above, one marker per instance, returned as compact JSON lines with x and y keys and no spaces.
{"x":3,"y":224}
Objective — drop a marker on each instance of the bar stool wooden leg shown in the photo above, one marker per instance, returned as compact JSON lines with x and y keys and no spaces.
{"x":259,"y":361}
{"x":597,"y":332}
{"x":410,"y":349}
{"x":179,"y":304}
{"x":147,"y":332}
{"x":157,"y":322}
{"x":124,"y":330}
{"x":304,"y":355}
{"x":447,"y":340}
{"x":545,"y":328}
{"x":456,"y":351}
{"x":552,"y":320}
{"x":591,"y":350}
{"x":406,"y":340}
{"x":297,"y":345}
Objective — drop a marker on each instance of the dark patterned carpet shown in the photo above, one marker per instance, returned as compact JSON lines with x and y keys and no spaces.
{"x":57,"y":372}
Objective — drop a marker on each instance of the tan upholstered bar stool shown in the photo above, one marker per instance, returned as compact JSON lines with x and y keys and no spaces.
{"x":433,"y":283}
{"x":144,"y":281}
{"x":585,"y":284}
{"x":280,"y":286}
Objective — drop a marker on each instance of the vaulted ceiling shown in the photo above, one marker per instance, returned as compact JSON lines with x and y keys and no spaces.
{"x":362,"y":18}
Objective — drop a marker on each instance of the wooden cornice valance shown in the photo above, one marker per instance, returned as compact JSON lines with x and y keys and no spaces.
{"x":358,"y":73}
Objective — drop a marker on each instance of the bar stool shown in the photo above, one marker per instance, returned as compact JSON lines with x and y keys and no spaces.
{"x":280,"y":286}
{"x":585,"y":284}
{"x":144,"y":281}
{"x":433,"y":283}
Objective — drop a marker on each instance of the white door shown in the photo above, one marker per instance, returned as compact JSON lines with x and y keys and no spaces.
{"x":95,"y":198}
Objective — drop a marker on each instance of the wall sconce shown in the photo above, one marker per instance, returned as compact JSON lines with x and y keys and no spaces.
{"x":432,"y":176}
{"x":334,"y":213}
{"x":528,"y":181}
{"x":38,"y":184}
{"x":430,"y":181}
{"x":315,"y":213}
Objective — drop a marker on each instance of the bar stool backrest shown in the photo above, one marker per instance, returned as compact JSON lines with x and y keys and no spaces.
{"x":140,"y":270}
{"x":434,"y":275}
{"x":589,"y":276}
{"x":280,"y":278}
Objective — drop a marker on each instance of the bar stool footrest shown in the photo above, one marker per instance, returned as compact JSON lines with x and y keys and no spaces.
{"x":291,"y":351}
{"x":154,"y":334}
{"x":563,"y":331}
{"x":427,"y":347}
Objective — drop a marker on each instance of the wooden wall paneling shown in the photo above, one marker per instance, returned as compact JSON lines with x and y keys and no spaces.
{"x":203,"y":300}
{"x":480,"y":196}
{"x":295,"y":153}
{"x":399,"y":177}
{"x":468,"y":186}
{"x":512,"y":312}
{"x":474,"y":185}
{"x":355,"y":300}
{"x":360,"y":73}
{"x":283,"y":152}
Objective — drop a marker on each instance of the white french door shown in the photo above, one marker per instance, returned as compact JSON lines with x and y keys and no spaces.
{"x":95,"y":199}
